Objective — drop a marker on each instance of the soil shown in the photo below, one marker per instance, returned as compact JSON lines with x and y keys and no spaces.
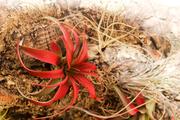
{"x":27,"y":24}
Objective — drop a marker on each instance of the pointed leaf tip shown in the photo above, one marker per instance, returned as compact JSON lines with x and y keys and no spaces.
{"x":83,"y":54}
{"x":68,"y":43}
{"x":42,"y":55}
{"x":55,"y":48}
{"x":43,"y":74}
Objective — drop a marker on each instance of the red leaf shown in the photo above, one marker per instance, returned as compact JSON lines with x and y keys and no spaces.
{"x":43,"y":74}
{"x":62,"y":90}
{"x":45,"y":89}
{"x":140,"y":99}
{"x":55,"y":48}
{"x":54,"y":74}
{"x":75,"y":95}
{"x":87,"y":84}
{"x":60,"y":93}
{"x":132,"y":110}
{"x":83,"y":54}
{"x":75,"y":33}
{"x":42,"y":55}
{"x":75,"y":89}
{"x":68,"y":45}
{"x":85,"y":67}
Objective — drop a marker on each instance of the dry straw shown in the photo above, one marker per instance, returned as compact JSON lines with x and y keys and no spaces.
{"x":138,"y":59}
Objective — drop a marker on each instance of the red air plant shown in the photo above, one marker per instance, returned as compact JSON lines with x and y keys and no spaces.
{"x":70,"y":67}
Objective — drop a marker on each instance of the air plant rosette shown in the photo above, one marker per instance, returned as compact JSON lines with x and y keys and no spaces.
{"x":71,"y":67}
{"x":69,"y":58}
{"x":68,"y":71}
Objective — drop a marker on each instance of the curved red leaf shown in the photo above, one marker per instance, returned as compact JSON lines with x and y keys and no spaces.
{"x":60,"y":93}
{"x":73,"y":100}
{"x":76,"y":91}
{"x":68,"y":44}
{"x":42,"y":55}
{"x":75,"y":95}
{"x":43,"y":74}
{"x":55,"y":48}
{"x":132,"y":110}
{"x":44,"y":90}
{"x":62,"y":90}
{"x":75,"y":35}
{"x":83,"y":54}
{"x":54,"y":74}
{"x":140,"y":99}
{"x":87,"y":84}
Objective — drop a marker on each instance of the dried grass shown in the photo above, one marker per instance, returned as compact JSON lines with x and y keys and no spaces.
{"x":105,"y":31}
